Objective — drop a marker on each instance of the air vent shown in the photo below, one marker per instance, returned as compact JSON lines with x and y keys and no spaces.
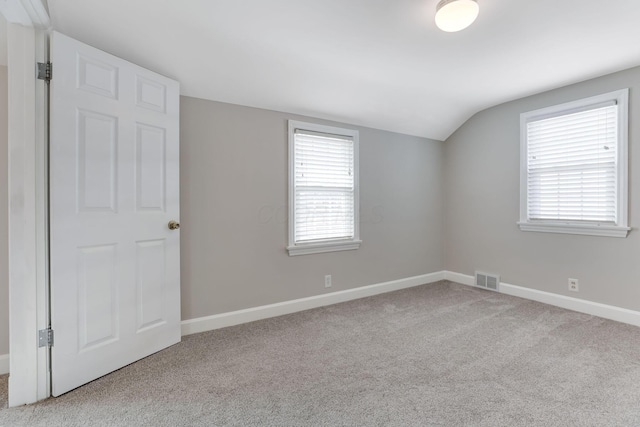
{"x":487,"y":281}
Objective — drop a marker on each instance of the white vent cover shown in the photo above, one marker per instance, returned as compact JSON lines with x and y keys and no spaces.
{"x":487,"y":281}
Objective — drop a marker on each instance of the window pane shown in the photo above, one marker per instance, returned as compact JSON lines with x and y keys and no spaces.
{"x":323,"y":214}
{"x":324,"y":187}
{"x":571,"y":166}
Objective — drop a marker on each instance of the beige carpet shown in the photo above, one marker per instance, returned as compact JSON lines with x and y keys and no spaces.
{"x":436,"y":355}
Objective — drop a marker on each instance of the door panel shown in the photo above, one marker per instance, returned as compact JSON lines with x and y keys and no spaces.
{"x":97,"y":77}
{"x":150,"y":94}
{"x":97,"y":302}
{"x":150,"y":257}
{"x":115,"y":265}
{"x":150,"y":168}
{"x":96,"y":161}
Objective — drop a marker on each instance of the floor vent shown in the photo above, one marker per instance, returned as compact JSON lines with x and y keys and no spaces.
{"x":487,"y":281}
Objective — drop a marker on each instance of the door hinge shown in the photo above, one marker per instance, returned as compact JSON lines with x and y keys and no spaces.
{"x":44,"y":71}
{"x":45,"y":337}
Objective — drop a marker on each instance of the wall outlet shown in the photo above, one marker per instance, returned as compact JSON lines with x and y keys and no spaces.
{"x":573,"y":285}
{"x":327,"y":281}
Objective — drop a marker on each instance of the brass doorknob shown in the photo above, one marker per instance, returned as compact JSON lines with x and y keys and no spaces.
{"x":174,"y":225}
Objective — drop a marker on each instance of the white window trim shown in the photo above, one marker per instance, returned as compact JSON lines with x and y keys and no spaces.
{"x":620,"y":229}
{"x":331,"y":245}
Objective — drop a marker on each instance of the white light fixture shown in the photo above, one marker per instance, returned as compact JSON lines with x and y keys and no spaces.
{"x":456,"y":15}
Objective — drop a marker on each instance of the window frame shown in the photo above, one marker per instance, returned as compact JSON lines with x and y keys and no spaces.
{"x":345,"y":244}
{"x":620,"y":228}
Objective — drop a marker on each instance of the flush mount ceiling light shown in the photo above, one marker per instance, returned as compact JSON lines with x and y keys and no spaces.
{"x":456,"y":15}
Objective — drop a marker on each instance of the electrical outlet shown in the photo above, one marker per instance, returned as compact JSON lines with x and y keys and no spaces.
{"x":573,"y":285}
{"x":327,"y":281}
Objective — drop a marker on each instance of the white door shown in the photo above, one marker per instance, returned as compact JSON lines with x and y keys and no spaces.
{"x":115,"y":264}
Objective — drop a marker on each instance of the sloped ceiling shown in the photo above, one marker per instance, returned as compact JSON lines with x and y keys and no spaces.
{"x":376,"y":63}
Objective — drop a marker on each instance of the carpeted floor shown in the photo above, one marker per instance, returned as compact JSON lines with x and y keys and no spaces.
{"x":435,"y":355}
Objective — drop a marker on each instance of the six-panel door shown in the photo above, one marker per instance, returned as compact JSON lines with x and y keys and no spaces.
{"x":114,"y":187}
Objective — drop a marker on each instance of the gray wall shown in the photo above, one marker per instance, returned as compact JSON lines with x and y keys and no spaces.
{"x":481,"y":172}
{"x":4,"y":214}
{"x":234,"y":193}
{"x":233,"y":211}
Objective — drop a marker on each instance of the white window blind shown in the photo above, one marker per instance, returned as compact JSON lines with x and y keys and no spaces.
{"x":572,"y":166}
{"x":324,"y":186}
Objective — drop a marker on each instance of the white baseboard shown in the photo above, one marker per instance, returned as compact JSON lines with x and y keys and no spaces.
{"x":463,"y":279}
{"x":217,"y":321}
{"x":4,"y":364}
{"x":583,"y":306}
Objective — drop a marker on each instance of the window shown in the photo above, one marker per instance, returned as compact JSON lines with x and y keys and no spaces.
{"x":323,"y":189}
{"x":574,"y":167}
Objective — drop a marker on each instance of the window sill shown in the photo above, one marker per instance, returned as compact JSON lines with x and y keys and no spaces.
{"x":583,"y":229}
{"x":316,"y":248}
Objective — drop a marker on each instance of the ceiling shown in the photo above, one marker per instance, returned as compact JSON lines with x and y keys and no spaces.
{"x":375,"y":63}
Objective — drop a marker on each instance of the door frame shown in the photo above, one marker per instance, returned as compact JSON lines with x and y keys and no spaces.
{"x":27,"y":43}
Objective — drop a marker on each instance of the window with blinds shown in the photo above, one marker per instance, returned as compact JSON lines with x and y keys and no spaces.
{"x":571,"y":170}
{"x":574,"y":166}
{"x":323,"y":188}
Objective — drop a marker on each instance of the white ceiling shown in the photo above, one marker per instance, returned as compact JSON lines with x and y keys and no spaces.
{"x":376,"y":63}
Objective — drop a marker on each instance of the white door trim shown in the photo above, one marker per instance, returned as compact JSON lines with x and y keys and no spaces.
{"x":29,"y":13}
{"x":28,"y":299}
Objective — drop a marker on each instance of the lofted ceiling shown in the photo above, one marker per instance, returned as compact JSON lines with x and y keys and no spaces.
{"x":375,"y":63}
